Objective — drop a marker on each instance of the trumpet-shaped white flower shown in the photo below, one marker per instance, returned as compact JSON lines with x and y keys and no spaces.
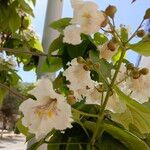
{"x":87,"y":16}
{"x":80,"y":79}
{"x":105,"y":52}
{"x":93,"y":97}
{"x":115,"y":105}
{"x":139,"y":88}
{"x":49,"y":111}
{"x":72,"y":35}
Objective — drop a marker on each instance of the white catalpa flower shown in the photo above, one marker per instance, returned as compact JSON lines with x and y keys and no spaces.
{"x":105,"y":52}
{"x":87,"y":16}
{"x":139,"y":88}
{"x":49,"y":111}
{"x":115,"y":105}
{"x":80,"y":79}
{"x":93,"y":97}
{"x":72,"y":35}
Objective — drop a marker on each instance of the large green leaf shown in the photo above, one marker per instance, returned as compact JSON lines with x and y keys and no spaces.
{"x":14,"y":21}
{"x":142,"y":47}
{"x":132,"y":141}
{"x":60,"y":24}
{"x":136,"y":113}
{"x":56,"y":44}
{"x":52,"y":64}
{"x":100,"y":38}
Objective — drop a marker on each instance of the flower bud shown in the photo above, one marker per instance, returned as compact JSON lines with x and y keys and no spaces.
{"x":89,"y":63}
{"x":144,"y":71}
{"x":71,"y":99}
{"x":97,"y":66}
{"x":147,"y":14}
{"x":111,"y":46}
{"x":80,"y":60}
{"x":135,"y":74}
{"x":104,"y":23}
{"x":130,"y":66}
{"x":110,"y":11}
{"x":86,"y":68}
{"x":141,"y":33}
{"x":100,"y":88}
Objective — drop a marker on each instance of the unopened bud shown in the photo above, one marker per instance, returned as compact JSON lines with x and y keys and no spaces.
{"x":104,"y":23}
{"x":111,"y":46}
{"x":89,"y":63}
{"x":135,"y":74}
{"x":144,"y":71}
{"x":80,"y":60}
{"x":141,"y":33}
{"x":110,"y":11}
{"x":97,"y":66}
{"x":130,"y":66}
{"x":100,"y":88}
{"x":147,"y":14}
{"x":86,"y":68}
{"x":71,"y":100}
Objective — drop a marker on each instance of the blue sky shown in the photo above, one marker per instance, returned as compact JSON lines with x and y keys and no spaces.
{"x":127,"y":14}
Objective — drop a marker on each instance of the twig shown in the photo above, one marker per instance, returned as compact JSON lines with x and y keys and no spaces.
{"x":14,"y":51}
{"x":23,"y":97}
{"x":132,"y":36}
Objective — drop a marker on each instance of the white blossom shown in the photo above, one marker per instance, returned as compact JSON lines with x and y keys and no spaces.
{"x":49,"y":111}
{"x":80,"y":79}
{"x":87,"y":16}
{"x":139,"y":88}
{"x":72,"y":35}
{"x":105,"y":52}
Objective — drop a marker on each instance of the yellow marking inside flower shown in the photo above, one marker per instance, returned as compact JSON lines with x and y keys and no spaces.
{"x":47,"y":110}
{"x":50,"y":114}
{"x":86,"y":15}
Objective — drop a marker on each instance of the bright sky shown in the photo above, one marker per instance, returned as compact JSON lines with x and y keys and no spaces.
{"x":127,"y":14}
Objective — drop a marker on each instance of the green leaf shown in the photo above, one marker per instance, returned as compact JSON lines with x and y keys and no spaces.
{"x":56,"y":44}
{"x":76,"y":51}
{"x":136,"y":113}
{"x":27,"y":6}
{"x":36,"y":44}
{"x":132,"y":141}
{"x":52,"y":64}
{"x":3,"y":92}
{"x":14,"y":21}
{"x":60,"y":24}
{"x":124,"y":34}
{"x":21,"y":127}
{"x":142,"y":47}
{"x":108,"y":142}
{"x":100,"y":38}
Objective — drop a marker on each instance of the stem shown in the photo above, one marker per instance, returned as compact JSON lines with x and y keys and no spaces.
{"x":13,"y":92}
{"x":99,"y":128}
{"x":133,"y":35}
{"x":84,"y":114}
{"x":27,"y":52}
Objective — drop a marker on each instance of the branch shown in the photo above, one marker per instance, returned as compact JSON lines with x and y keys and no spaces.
{"x":21,"y":96}
{"x":14,"y":51}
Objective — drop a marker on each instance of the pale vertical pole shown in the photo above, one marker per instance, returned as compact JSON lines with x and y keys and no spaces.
{"x":53,"y":12}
